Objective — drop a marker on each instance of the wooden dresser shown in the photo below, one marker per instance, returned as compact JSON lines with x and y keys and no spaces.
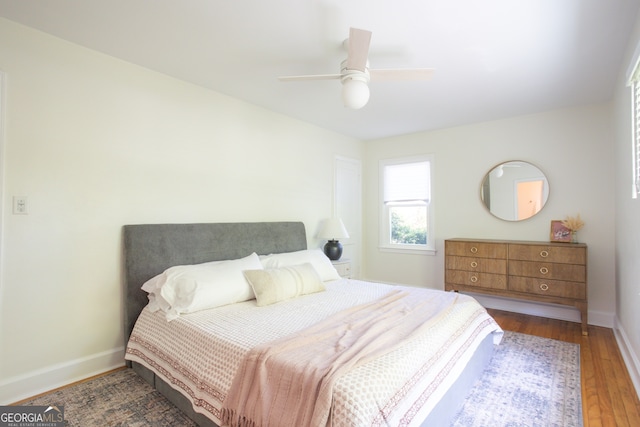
{"x":535,"y":271}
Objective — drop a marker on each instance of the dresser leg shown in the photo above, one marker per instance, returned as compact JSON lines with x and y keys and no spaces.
{"x":582,"y":306}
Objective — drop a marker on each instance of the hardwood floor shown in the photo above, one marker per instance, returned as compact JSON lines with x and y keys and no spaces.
{"x":608,"y":395}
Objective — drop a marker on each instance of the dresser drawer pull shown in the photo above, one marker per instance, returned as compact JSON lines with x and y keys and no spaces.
{"x":473,"y":249}
{"x":544,"y":254}
{"x":544,"y":287}
{"x":474,"y":279}
{"x":474,"y":264}
{"x":544,"y":270}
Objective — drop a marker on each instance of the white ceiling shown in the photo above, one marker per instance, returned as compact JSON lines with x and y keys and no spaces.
{"x":493,"y":58}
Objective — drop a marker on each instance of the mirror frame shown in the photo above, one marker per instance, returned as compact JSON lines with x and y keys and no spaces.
{"x":485,"y":180}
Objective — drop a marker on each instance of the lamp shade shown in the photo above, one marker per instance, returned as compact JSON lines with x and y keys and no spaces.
{"x":333,"y":229}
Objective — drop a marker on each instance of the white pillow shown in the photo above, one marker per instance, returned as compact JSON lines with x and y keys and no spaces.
{"x":190,"y":288}
{"x":315,"y":257}
{"x":278,"y":284}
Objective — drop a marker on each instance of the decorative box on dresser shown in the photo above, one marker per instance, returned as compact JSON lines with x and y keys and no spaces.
{"x":535,"y":271}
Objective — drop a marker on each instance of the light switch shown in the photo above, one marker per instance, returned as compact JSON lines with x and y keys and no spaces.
{"x":20,"y":205}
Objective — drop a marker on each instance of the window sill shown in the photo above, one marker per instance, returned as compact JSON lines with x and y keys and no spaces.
{"x":412,"y":251}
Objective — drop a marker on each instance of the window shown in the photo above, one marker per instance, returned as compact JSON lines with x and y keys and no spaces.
{"x":406,"y":208}
{"x":633,"y":80}
{"x":635,"y":143}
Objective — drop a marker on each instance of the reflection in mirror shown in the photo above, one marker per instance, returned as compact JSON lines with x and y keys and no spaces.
{"x":514,"y":190}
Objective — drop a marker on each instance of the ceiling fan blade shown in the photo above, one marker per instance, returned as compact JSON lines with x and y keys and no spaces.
{"x":310,"y":77}
{"x":385,"y":75}
{"x":358,"y":49}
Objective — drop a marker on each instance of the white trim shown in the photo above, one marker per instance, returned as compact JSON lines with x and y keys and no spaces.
{"x":628,"y":355}
{"x":633,"y":81}
{"x":3,"y":109}
{"x":634,"y":190}
{"x":531,"y":308}
{"x":409,"y":249}
{"x":551,"y":311}
{"x":635,"y":138}
{"x":3,"y":91}
{"x":635,"y":61}
{"x":24,"y":386}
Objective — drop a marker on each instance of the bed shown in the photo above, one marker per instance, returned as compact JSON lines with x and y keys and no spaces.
{"x":198,"y":378}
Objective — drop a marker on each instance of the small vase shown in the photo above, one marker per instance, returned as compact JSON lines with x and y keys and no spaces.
{"x":574,"y":237}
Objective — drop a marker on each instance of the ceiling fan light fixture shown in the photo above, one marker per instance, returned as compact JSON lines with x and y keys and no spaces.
{"x":355,"y":92}
{"x":355,"y":74}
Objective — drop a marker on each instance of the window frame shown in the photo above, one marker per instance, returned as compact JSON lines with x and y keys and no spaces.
{"x":635,"y":140}
{"x":633,"y":81}
{"x":385,"y":244}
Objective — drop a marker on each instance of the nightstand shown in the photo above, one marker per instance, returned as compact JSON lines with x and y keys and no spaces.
{"x":343,"y":267}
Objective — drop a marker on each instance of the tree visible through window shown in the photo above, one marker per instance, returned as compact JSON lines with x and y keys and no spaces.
{"x":409,"y":225}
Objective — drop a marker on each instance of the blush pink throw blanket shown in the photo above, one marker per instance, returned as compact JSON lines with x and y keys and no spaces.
{"x":289,"y":381}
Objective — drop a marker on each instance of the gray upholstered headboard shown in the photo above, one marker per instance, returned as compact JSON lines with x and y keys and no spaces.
{"x":149,"y":249}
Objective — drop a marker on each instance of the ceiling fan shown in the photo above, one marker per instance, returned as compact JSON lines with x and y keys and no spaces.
{"x":355,"y":73}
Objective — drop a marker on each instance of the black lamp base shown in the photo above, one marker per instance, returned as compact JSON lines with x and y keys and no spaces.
{"x":333,"y":250}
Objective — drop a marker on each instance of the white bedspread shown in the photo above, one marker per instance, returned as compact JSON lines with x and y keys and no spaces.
{"x":198,"y":354}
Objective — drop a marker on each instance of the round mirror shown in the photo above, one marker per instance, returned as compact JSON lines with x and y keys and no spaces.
{"x":514,"y":190}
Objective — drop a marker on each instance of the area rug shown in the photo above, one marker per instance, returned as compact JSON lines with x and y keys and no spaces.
{"x":121,"y":398}
{"x":530,"y":381}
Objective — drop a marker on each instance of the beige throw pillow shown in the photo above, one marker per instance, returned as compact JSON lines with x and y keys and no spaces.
{"x":278,"y":284}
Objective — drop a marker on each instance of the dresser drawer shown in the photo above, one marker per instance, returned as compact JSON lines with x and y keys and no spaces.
{"x":476,"y":249}
{"x":548,"y":270}
{"x":566,"y":254}
{"x":477,"y":280}
{"x":556,"y":288}
{"x":480,"y":265}
{"x":343,"y":267}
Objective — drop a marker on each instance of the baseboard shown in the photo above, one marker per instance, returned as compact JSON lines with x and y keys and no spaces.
{"x":630,"y":357}
{"x":24,"y":386}
{"x":552,"y":311}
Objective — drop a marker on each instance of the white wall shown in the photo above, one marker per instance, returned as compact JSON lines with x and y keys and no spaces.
{"x":627,"y":214}
{"x":572,"y":147}
{"x":96,"y":143}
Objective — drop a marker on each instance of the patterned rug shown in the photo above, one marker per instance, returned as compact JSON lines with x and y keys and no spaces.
{"x":531,"y":381}
{"x":121,"y":398}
